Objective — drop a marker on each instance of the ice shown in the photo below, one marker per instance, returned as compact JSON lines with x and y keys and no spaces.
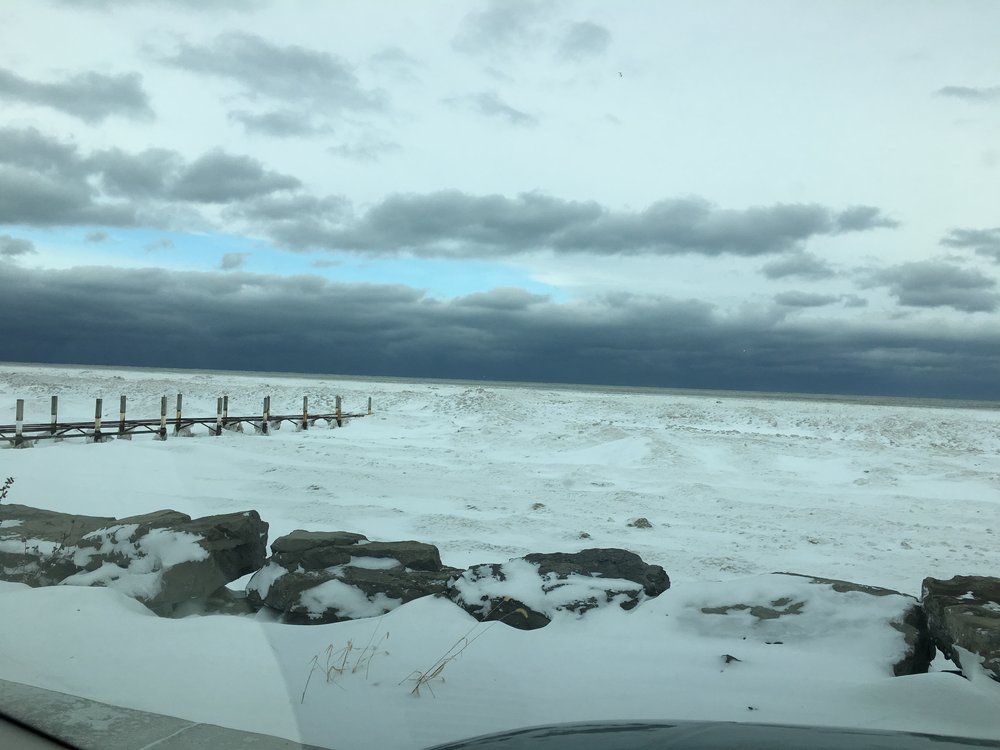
{"x":735,"y":488}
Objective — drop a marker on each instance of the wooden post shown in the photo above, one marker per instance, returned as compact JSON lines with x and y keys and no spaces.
{"x":305,"y":412}
{"x":162,"y":434}
{"x":121,"y":417}
{"x":340,"y":422}
{"x":225,"y":411}
{"x":369,"y":406}
{"x":218,"y":417}
{"x":266,"y":415}
{"x":98,"y":408}
{"x":55,"y":414}
{"x":19,"y":428}
{"x":177,"y":424}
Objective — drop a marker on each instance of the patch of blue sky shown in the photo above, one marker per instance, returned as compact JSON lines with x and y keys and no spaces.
{"x":65,"y":247}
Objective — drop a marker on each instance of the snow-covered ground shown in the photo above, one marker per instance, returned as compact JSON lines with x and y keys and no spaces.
{"x":735,"y":488}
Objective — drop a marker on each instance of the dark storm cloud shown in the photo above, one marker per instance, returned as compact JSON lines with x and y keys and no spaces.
{"x":489,"y":104}
{"x":237,"y":320}
{"x":287,"y":73}
{"x":92,"y":97}
{"x":458,"y":225}
{"x":983,"y":241}
{"x":45,"y":181}
{"x":584,"y":39}
{"x":799,"y":265}
{"x":939,"y":284}
{"x":11,"y":247}
{"x":971,"y":93}
{"x":218,"y":177}
{"x":279,"y":123}
{"x":804,"y":299}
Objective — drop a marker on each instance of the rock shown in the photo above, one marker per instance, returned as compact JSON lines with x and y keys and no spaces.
{"x":526,"y":592}
{"x":321,"y":577}
{"x":789,"y":612}
{"x":963,"y":614}
{"x":161,"y":558}
{"x":912,"y":623}
{"x":33,"y":542}
{"x":640,"y":523}
{"x":223,"y":601}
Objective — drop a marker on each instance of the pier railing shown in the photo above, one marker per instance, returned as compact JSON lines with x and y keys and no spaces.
{"x":23,"y":433}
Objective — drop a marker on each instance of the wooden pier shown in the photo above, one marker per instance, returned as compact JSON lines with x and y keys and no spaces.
{"x":21,"y":434}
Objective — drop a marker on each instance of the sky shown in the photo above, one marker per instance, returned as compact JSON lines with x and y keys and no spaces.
{"x":766,"y":195}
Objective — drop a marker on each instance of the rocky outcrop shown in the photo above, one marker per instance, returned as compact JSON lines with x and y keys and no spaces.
{"x":526,"y":592}
{"x":322,"y":577}
{"x":162,"y":558}
{"x":963,"y":614}
{"x":918,"y":651}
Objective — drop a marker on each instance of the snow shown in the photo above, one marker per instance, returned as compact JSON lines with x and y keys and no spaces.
{"x":347,"y":600}
{"x":546,"y":594}
{"x":735,"y":488}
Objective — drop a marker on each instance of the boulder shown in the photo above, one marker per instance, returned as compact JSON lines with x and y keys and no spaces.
{"x":919,"y":648}
{"x":33,"y":542}
{"x":963,"y":613}
{"x":791,"y":608}
{"x":161,"y":558}
{"x":526,"y":592}
{"x":328,"y":576}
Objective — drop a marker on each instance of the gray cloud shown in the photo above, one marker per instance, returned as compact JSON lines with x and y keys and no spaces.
{"x":502,"y":298}
{"x":92,"y":97}
{"x":218,"y":177}
{"x":38,"y":199}
{"x":367,"y":150}
{"x":862,"y":218}
{"x":395,"y":62}
{"x":489,"y":104}
{"x":233,"y":261}
{"x":44,"y":181}
{"x":282,"y":123}
{"x":163,"y":243}
{"x":286,"y":73}
{"x":458,"y":225}
{"x":142,"y":175}
{"x":11,"y":247}
{"x":501,"y":26}
{"x":203,"y":320}
{"x":983,"y":241}
{"x":971,"y":93}
{"x":583,"y":40}
{"x":96,"y":236}
{"x":799,"y":265}
{"x":939,"y":284}
{"x":804,"y":299}
{"x":192,"y":5}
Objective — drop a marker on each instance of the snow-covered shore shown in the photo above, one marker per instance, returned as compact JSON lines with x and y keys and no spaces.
{"x":734,"y":488}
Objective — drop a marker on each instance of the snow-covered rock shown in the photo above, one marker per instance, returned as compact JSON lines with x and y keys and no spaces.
{"x":322,"y":577}
{"x":162,"y":558}
{"x":792,"y":610}
{"x":964,"y":617}
{"x":526,"y":592}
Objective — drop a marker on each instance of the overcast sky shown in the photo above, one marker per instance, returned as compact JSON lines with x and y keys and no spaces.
{"x":767,"y":195}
